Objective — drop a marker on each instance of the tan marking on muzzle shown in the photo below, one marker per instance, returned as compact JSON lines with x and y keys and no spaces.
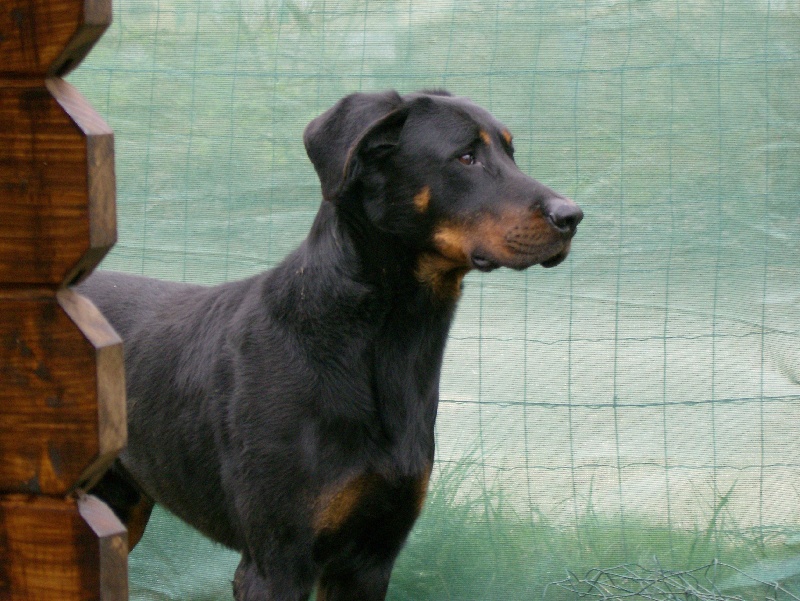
{"x":451,"y":240}
{"x":513,"y":237}
{"x":443,"y":271}
{"x":422,"y":200}
{"x":503,"y":237}
{"x":441,"y":275}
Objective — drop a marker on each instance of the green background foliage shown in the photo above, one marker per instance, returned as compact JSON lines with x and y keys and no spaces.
{"x":638,"y":401}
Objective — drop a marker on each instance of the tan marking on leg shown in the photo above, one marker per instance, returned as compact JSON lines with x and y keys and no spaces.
{"x":335,"y":506}
{"x":487,"y":139}
{"x":422,"y":490}
{"x":137,"y":520}
{"x":422,"y":199}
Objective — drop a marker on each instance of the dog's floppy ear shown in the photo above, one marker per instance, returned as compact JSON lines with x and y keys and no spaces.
{"x":358,"y":125}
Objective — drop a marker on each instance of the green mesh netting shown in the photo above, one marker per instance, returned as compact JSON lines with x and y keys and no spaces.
{"x":640,"y":404}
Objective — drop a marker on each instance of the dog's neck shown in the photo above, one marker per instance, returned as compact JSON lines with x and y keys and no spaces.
{"x":370,"y":286}
{"x":388,"y":265}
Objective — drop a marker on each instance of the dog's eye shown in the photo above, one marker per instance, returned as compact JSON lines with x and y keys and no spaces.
{"x":467,"y":159}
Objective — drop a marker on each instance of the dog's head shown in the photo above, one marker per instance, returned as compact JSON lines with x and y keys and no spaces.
{"x":438,"y":172}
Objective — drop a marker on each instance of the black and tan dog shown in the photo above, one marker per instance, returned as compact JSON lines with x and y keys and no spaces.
{"x":290,"y":415}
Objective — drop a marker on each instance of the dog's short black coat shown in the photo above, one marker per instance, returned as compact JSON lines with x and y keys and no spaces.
{"x":290,"y":415}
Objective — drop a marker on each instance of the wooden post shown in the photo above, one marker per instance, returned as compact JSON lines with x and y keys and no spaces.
{"x":62,"y":392}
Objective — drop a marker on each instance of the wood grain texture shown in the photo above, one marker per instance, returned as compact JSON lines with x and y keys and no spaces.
{"x":113,"y":547}
{"x":101,"y":180}
{"x":61,"y":550}
{"x":62,"y":395}
{"x":62,"y":398}
{"x":41,"y":37}
{"x":112,"y":428}
{"x":57,"y":216}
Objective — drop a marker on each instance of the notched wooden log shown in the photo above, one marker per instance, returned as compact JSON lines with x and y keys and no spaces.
{"x":62,"y":403}
{"x":61,"y":550}
{"x":62,"y":390}
{"x":49,"y":37}
{"x":58,"y":216}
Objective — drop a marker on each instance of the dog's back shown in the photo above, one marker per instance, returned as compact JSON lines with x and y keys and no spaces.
{"x":126,"y":300}
{"x":178,"y":357}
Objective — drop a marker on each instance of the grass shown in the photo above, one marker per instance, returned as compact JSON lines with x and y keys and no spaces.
{"x":705,"y":583}
{"x":479,"y":549}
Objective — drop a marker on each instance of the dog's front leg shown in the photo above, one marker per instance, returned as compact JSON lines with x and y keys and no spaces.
{"x":251,"y":584}
{"x":365,"y":583}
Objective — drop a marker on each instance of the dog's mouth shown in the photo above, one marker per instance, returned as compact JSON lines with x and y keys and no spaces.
{"x":519,"y":260}
{"x":555,"y":259}
{"x":482,"y":263}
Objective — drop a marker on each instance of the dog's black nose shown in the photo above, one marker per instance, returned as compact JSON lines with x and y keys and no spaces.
{"x":564,"y":214}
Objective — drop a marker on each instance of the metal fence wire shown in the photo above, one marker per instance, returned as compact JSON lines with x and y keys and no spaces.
{"x":639,"y":400}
